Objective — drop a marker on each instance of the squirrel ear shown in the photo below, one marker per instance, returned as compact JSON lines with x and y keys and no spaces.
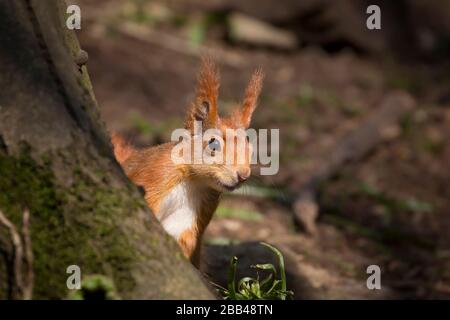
{"x":204,"y":108}
{"x":251,"y":97}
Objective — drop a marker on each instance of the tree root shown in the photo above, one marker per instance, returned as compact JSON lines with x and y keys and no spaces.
{"x":22,"y":252}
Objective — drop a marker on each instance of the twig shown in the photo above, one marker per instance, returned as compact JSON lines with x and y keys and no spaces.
{"x":18,"y":252}
{"x":24,"y":289}
{"x":28,"y":286}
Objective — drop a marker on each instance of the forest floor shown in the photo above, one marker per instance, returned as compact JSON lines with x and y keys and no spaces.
{"x":390,"y":209}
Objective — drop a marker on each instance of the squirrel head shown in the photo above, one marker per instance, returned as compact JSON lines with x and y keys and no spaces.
{"x":229,"y":139}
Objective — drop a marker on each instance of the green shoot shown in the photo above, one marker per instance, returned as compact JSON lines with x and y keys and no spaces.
{"x":248,"y":288}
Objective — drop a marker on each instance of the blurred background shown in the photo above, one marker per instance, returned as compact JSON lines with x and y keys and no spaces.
{"x":327,"y":76}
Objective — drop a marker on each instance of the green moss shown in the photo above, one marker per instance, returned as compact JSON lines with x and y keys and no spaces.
{"x":79,"y":224}
{"x":24,"y":184}
{"x":95,"y":287}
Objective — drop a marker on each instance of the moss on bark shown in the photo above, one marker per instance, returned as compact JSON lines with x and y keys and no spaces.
{"x":78,"y":224}
{"x":56,"y":160}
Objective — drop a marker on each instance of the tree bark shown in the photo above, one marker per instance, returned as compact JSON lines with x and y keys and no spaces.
{"x":56,"y":163}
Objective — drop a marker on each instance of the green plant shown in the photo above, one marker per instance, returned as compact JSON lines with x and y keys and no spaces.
{"x":248,"y":288}
{"x":95,"y":287}
{"x":196,"y":33}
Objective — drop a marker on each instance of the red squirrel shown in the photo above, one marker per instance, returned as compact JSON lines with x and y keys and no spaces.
{"x":184,"y":196}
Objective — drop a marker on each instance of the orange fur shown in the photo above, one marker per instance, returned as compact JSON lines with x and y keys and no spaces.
{"x":122,"y":150}
{"x":251,"y":96}
{"x":164,"y":181}
{"x":207,"y":92}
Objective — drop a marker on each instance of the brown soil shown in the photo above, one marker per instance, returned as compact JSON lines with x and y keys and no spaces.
{"x":391,"y":209}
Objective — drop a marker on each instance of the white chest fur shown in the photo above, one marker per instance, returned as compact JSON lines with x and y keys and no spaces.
{"x":179,"y":208}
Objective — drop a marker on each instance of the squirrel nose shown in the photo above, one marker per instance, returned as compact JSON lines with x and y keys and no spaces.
{"x":243,"y":175}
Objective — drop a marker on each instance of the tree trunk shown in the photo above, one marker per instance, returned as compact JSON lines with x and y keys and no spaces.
{"x":56,"y":161}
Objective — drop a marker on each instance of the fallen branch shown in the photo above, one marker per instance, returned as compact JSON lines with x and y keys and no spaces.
{"x":383,"y":125}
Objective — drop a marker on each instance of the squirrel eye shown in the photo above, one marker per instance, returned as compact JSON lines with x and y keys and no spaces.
{"x":214,"y":144}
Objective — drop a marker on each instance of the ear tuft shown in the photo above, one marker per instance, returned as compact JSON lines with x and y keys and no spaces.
{"x":204,"y":107}
{"x":251,"y":97}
